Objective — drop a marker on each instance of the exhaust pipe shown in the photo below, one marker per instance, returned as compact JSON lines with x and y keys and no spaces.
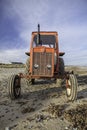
{"x":38,"y":35}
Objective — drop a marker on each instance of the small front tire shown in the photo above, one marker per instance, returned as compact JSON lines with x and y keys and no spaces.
{"x":71,"y":87}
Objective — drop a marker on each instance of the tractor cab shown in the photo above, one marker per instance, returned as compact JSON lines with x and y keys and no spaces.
{"x":45,"y":40}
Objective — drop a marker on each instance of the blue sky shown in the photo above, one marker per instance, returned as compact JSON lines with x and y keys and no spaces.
{"x":18,"y":18}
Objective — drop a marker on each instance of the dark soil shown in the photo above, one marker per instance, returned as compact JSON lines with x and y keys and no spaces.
{"x":77,"y":116}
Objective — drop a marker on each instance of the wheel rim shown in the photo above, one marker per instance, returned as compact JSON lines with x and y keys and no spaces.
{"x":71,"y":87}
{"x":17,"y":86}
{"x":17,"y":91}
{"x":68,"y":89}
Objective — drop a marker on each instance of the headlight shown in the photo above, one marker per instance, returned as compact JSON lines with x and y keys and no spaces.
{"x":36,"y":66}
{"x":49,"y":66}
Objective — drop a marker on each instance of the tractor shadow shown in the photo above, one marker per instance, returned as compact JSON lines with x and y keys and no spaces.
{"x":44,"y":89}
{"x":44,"y":82}
{"x":40,"y":94}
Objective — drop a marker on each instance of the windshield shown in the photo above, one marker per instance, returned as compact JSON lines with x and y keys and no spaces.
{"x":45,"y":40}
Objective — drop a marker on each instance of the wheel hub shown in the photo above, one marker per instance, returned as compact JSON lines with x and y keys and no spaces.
{"x":68,"y":89}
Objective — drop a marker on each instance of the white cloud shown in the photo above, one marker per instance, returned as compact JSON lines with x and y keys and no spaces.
{"x":76,"y":57}
{"x":16,"y":55}
{"x":29,"y":14}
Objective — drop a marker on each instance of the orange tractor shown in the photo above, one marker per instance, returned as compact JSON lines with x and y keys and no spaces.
{"x":45,"y":61}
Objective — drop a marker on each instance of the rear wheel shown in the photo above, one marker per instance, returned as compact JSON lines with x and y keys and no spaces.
{"x":71,"y":87}
{"x":61,"y":67}
{"x":14,"y":87}
{"x":27,"y":71}
{"x":59,"y":82}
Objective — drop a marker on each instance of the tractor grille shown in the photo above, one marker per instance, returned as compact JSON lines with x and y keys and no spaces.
{"x":42,"y":64}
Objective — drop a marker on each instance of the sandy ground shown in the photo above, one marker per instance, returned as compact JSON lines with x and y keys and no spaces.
{"x":44,"y":105}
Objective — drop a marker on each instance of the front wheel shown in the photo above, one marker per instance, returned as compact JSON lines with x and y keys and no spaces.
{"x":14,"y":87}
{"x":71,"y":87}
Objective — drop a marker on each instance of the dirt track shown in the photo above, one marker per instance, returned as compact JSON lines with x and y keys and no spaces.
{"x":43,"y":106}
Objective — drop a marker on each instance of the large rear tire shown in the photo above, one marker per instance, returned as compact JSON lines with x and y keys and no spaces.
{"x":71,"y":87}
{"x":27,"y":71}
{"x":59,"y":82}
{"x":14,"y":87}
{"x":61,"y":67}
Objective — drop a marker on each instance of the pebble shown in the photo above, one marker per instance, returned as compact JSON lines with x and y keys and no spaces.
{"x":66,"y":128}
{"x":74,"y":129}
{"x":39,"y":117}
{"x":7,"y":128}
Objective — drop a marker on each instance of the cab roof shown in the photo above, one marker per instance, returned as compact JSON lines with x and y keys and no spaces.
{"x":46,"y":32}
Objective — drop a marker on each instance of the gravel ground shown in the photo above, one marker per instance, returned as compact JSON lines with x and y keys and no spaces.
{"x":44,"y":105}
